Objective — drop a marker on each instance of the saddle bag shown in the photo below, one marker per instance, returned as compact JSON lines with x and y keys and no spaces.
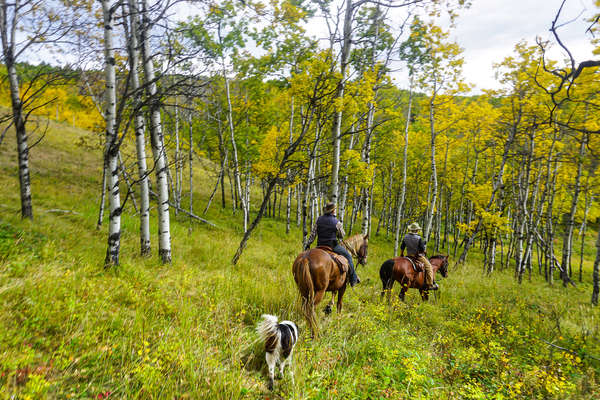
{"x":417,"y":265}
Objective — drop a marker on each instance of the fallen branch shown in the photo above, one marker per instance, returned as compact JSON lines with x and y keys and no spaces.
{"x":194,"y":216}
{"x":572,"y":352}
{"x":56,"y":210}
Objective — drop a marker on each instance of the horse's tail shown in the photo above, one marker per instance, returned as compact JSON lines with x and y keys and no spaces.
{"x":386,"y":274}
{"x":307,"y":290}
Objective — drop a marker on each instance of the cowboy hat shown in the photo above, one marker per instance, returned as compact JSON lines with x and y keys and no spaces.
{"x":329,"y":207}
{"x":414,"y":227}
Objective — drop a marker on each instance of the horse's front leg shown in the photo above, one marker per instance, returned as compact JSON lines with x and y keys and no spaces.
{"x":330,"y":304}
{"x":339,"y":300}
{"x":424,"y":294}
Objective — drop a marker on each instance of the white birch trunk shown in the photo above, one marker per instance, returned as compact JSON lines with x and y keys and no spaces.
{"x":337,"y":118}
{"x":157,"y":142}
{"x":434,"y":180}
{"x":8,"y":50}
{"x":236,"y":167}
{"x":178,"y":166}
{"x":404,"y":168}
{"x":111,"y":150}
{"x":366,"y":223}
{"x":139,"y":126}
{"x":568,"y":238}
{"x":344,"y":196}
{"x":190,"y":160}
{"x":288,"y":209}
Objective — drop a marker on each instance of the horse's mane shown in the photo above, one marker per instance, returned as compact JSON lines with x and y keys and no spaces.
{"x":438,"y":256}
{"x":354,"y":241}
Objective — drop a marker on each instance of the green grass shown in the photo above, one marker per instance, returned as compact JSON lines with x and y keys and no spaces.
{"x":70,"y":329}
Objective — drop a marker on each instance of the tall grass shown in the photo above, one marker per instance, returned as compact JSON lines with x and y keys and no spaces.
{"x":70,"y":329}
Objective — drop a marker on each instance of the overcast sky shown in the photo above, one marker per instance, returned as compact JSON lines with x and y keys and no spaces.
{"x":489,"y":30}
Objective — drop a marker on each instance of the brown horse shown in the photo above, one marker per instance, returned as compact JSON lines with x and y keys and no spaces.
{"x":401,"y":269}
{"x":315,"y":273}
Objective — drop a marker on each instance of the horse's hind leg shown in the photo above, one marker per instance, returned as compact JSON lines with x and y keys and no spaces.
{"x":402,"y":293}
{"x":387,"y":288}
{"x":330,"y":304}
{"x":339,"y":299}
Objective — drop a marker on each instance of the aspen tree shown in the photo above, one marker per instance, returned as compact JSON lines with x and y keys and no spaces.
{"x":156,"y":139}
{"x":139,"y":127}
{"x":26,"y":26}
{"x":111,"y":150}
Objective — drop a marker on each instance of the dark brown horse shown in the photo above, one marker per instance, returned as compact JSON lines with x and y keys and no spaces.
{"x":315,"y":273}
{"x":401,"y":269}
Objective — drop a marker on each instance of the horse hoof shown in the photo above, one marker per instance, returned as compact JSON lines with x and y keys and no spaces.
{"x":328,"y":310}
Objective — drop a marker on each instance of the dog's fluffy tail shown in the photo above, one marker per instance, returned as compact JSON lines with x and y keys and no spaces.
{"x":267,"y":330}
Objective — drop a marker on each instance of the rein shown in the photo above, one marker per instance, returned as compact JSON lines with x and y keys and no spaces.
{"x":350,"y":248}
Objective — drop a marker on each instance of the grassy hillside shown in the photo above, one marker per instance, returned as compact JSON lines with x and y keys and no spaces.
{"x":69,"y":329}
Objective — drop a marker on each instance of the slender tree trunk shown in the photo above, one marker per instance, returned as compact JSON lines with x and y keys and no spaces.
{"x":344,"y":196}
{"x":190,"y":165}
{"x":404,"y":169}
{"x":127,"y":182}
{"x":178,"y":165}
{"x":102,"y":195}
{"x":288,"y":209}
{"x":550,"y":224}
{"x":236,"y":168}
{"x":8,"y":49}
{"x":247,"y":192}
{"x":337,"y":117}
{"x":112,"y":148}
{"x":140,"y":140}
{"x":298,"y":205}
{"x":582,"y":231}
{"x":356,"y":202}
{"x":596,"y":273}
{"x":434,"y":180}
{"x":570,"y":218}
{"x":157,"y":143}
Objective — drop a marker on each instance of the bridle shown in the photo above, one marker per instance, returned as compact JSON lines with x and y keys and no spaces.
{"x":360,"y":255}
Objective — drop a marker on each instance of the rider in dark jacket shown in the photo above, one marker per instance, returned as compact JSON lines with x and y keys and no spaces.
{"x":415,"y":247}
{"x":328,"y":229}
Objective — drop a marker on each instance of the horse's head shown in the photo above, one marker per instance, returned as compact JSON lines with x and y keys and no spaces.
{"x":444,"y":267}
{"x":362,"y":250}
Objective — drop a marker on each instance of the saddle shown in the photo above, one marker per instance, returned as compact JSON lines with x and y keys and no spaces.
{"x":340,"y":260}
{"x":418,"y":266}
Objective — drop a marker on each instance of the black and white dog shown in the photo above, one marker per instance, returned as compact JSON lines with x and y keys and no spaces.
{"x":279,"y":339}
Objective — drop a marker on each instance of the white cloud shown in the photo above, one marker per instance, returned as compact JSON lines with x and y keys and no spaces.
{"x":489,"y":30}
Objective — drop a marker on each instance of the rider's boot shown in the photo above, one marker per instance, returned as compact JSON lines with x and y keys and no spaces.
{"x":354,"y":280}
{"x":433,"y":286}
